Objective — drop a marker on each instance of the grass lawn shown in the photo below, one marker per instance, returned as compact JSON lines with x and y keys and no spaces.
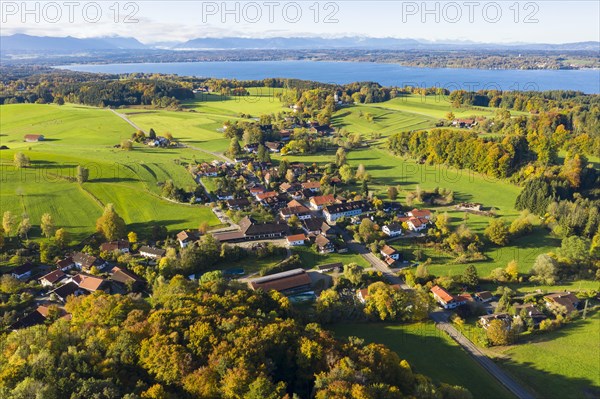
{"x":78,"y":135}
{"x":429,"y":352}
{"x":561,"y":364}
{"x":311,"y":259}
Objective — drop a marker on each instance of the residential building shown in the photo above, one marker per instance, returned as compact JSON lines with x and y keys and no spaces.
{"x":484,"y":296}
{"x":186,"y":237}
{"x":296,"y":240}
{"x":324,"y":244}
{"x":505,"y":318}
{"x":562,"y":302}
{"x":319,"y":202}
{"x":119,"y":245}
{"x":22,"y":272}
{"x":152,"y":252}
{"x":445,"y":299}
{"x":392,"y":229}
{"x":48,"y":280}
{"x":348,"y":209}
{"x":32,"y":138}
{"x":363,"y":293}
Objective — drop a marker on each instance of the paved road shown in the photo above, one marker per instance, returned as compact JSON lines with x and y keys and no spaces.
{"x":441,"y":322}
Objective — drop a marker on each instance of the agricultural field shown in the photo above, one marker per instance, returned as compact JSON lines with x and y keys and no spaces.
{"x":78,"y":135}
{"x":443,"y":357}
{"x":561,"y":364}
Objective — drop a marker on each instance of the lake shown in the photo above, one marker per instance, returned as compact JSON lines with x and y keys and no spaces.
{"x":587,"y":81}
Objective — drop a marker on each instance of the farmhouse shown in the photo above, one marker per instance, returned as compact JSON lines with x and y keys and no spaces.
{"x":126,"y":277}
{"x":329,"y":267}
{"x":319,"y":202}
{"x":420,"y":213}
{"x":296,"y":240}
{"x":187,"y":237}
{"x":52,"y":278}
{"x":65,"y":264}
{"x":348,"y":209}
{"x":238,"y":203}
{"x":532,"y":312}
{"x":445,"y":299}
{"x":33,"y":138}
{"x":288,"y":283}
{"x":484,"y":296}
{"x":562,"y":302}
{"x":84,"y":261}
{"x":324,"y":244}
{"x":392,"y":229}
{"x":120,"y":245}
{"x":505,"y":318}
{"x":22,"y":272}
{"x":152,"y":252}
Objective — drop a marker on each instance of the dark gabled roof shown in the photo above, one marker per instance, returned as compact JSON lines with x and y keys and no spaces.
{"x":152,"y":250}
{"x":346,"y":207}
{"x":19,"y":270}
{"x":282,"y":281}
{"x":114,"y":245}
{"x":32,"y":319}
{"x":322,"y":241}
{"x":239,"y":202}
{"x":122,"y":275}
{"x":249,"y":227}
{"x":295,"y":210}
{"x":68,"y":261}
{"x":330,"y":266}
{"x":54,"y":276}
{"x":84,"y":259}
{"x":65,"y":290}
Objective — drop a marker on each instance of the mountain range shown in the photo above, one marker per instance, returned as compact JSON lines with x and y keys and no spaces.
{"x":29,"y":43}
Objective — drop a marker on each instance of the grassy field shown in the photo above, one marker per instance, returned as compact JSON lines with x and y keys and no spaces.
{"x":560,"y":364}
{"x":85,"y":136}
{"x":430,"y":352}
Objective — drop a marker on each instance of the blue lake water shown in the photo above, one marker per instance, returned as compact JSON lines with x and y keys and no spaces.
{"x":587,"y":81}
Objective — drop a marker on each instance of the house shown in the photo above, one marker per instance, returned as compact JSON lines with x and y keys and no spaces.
{"x":484,"y":296}
{"x":89,"y":283}
{"x":392,"y":229}
{"x":321,"y":130}
{"x":32,"y":319}
{"x":126,"y":277}
{"x":52,"y":278}
{"x":65,"y":264}
{"x":238,"y":203}
{"x":389,"y":253}
{"x":22,"y":272}
{"x":420,"y":213}
{"x":288,"y":283}
{"x":313,"y":186}
{"x":319,"y":202}
{"x":296,"y":240}
{"x":324,"y":244}
{"x":300,"y":211}
{"x":186,"y":237}
{"x":464,"y":123}
{"x":84,"y":261}
{"x":329,"y":267}
{"x":265,"y":195}
{"x":417,"y":224}
{"x":530,"y":311}
{"x":284,"y":135}
{"x":252,"y":230}
{"x":505,"y":318}
{"x":152,"y":252}
{"x":317,"y":226}
{"x":120,"y":245}
{"x":273,"y":146}
{"x":33,"y":138}
{"x":562,"y":302}
{"x":445,"y":299}
{"x":363,"y":293}
{"x":66,"y":290}
{"x":348,"y":209}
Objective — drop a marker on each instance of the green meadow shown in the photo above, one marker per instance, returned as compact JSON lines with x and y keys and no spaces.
{"x":429,"y":351}
{"x":85,"y":136}
{"x":561,"y":364}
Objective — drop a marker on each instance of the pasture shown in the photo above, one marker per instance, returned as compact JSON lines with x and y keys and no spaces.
{"x":86,"y":136}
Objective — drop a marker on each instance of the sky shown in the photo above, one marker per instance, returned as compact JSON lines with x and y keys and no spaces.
{"x":167,"y":21}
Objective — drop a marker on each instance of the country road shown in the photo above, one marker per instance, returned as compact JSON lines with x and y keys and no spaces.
{"x":441,"y":322}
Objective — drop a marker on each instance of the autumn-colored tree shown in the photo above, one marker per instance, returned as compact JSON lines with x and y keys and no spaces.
{"x":61,"y":237}
{"x":8,"y":222}
{"x":498,"y":332}
{"x":110,"y":224}
{"x":512,"y":270}
{"x":132,"y":237}
{"x":47,"y":225}
{"x":497,"y":232}
{"x":24,"y":227}
{"x":20,"y":160}
{"x":392,"y":193}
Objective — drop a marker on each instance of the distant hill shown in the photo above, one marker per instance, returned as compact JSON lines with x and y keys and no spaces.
{"x":27,"y":43}
{"x":22,"y":42}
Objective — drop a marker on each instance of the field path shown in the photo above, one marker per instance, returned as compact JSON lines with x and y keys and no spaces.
{"x":132,"y":123}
